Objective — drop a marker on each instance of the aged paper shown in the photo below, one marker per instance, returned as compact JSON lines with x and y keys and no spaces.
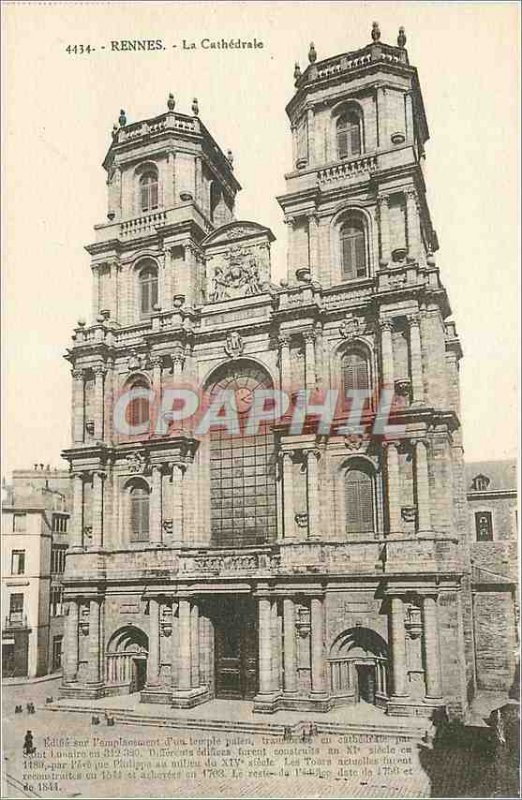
{"x":260,"y":525}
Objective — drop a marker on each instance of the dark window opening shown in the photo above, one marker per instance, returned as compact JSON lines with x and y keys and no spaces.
{"x":484,"y":526}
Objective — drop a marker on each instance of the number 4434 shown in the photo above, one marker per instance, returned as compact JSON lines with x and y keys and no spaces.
{"x":79,"y":49}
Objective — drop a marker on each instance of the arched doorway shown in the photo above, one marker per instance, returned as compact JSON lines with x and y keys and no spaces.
{"x":358,"y":666}
{"x":127,"y":653}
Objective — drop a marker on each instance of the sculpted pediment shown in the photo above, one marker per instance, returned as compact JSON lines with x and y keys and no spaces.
{"x":234,"y":231}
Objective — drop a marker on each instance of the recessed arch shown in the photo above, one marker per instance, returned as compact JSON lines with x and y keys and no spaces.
{"x":352,"y":240}
{"x":358,"y":665}
{"x":242,"y":467}
{"x":347,"y":120}
{"x":126,"y":659}
{"x":136,"y":493}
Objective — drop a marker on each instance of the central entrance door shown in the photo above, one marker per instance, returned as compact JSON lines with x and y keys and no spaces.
{"x":235,"y":629}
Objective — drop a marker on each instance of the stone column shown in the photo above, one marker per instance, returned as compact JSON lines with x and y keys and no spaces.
{"x":153,"y":660}
{"x":96,"y":280}
{"x":155,"y":506}
{"x":99,"y":373}
{"x":313,"y":250}
{"x":310,"y":124}
{"x":77,"y":515}
{"x":156,"y":379}
{"x":185,"y":645}
{"x":413,"y":222}
{"x":397,"y":639}
{"x":177,"y":504}
{"x":78,"y":406}
{"x":194,"y":644}
{"x":70,"y":649}
{"x":198,"y":189}
{"x":394,"y":487}
{"x":431,"y":648}
{"x":417,"y":383}
{"x":284,"y":362}
{"x":382,"y":118}
{"x":422,"y":486}
{"x":178,"y":361}
{"x":294,"y":145}
{"x":265,"y":646}
{"x":98,"y":478}
{"x":174,"y":646}
{"x":387,"y":367}
{"x":408,"y":110}
{"x":288,"y":495}
{"x":384,"y":229}
{"x":168,"y":189}
{"x":310,"y":372}
{"x":276,"y":646}
{"x":312,"y":478}
{"x":94,"y":667}
{"x":113,"y":266}
{"x":290,"y":646}
{"x":317,"y":646}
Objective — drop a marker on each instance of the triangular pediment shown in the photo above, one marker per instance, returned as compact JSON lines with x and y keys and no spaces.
{"x":237,"y":231}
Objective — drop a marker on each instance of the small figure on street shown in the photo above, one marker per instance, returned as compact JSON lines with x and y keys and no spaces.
{"x":30,"y":708}
{"x":28,"y":749}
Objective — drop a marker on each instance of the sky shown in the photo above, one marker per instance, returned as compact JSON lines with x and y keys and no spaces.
{"x":59,"y":108}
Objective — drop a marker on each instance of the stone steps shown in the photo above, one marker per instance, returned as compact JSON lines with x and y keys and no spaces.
{"x":265,"y":727}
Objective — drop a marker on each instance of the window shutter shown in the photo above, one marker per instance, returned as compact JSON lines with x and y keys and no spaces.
{"x":355,"y":372}
{"x":360,"y":255}
{"x":355,"y":138}
{"x":342,"y":143}
{"x":359,"y":502}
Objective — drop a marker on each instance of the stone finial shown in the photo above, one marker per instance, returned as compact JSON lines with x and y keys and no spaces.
{"x":312,"y":53}
{"x":376,"y":32}
{"x":230,"y":158}
{"x":297,"y":72}
{"x":195,"y":107}
{"x":401,"y":38}
{"x":122,"y":119}
{"x":171,"y":103}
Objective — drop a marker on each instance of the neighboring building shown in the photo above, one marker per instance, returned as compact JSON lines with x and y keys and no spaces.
{"x":301,"y":571}
{"x":492,"y":506}
{"x":35,"y":517}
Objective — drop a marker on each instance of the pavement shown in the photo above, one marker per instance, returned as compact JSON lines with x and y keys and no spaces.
{"x":77,"y":759}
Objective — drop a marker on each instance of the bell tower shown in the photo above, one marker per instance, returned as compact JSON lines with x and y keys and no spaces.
{"x":358,"y":130}
{"x":169,"y":185}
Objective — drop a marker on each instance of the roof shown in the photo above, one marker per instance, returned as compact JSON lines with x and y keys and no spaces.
{"x":502,"y":474}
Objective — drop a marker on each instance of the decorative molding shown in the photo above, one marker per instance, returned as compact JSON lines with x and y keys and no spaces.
{"x":137,"y":462}
{"x":356,"y":442}
{"x":234,"y":345}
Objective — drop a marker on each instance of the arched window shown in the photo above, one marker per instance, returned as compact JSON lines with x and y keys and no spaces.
{"x":356,"y":374}
{"x":242,"y":468}
{"x":149,"y":191}
{"x":353,"y":249}
{"x":139,"y":512}
{"x":138,"y":408}
{"x":359,"y":501}
{"x":348,"y":134}
{"x":148,"y":283}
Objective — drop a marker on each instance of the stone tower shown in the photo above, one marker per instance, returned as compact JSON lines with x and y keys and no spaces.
{"x":302,"y":569}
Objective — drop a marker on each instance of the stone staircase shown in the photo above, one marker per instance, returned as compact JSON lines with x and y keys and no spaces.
{"x":294,"y":729}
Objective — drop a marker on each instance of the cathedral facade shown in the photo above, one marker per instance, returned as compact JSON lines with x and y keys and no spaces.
{"x":298,"y":569}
